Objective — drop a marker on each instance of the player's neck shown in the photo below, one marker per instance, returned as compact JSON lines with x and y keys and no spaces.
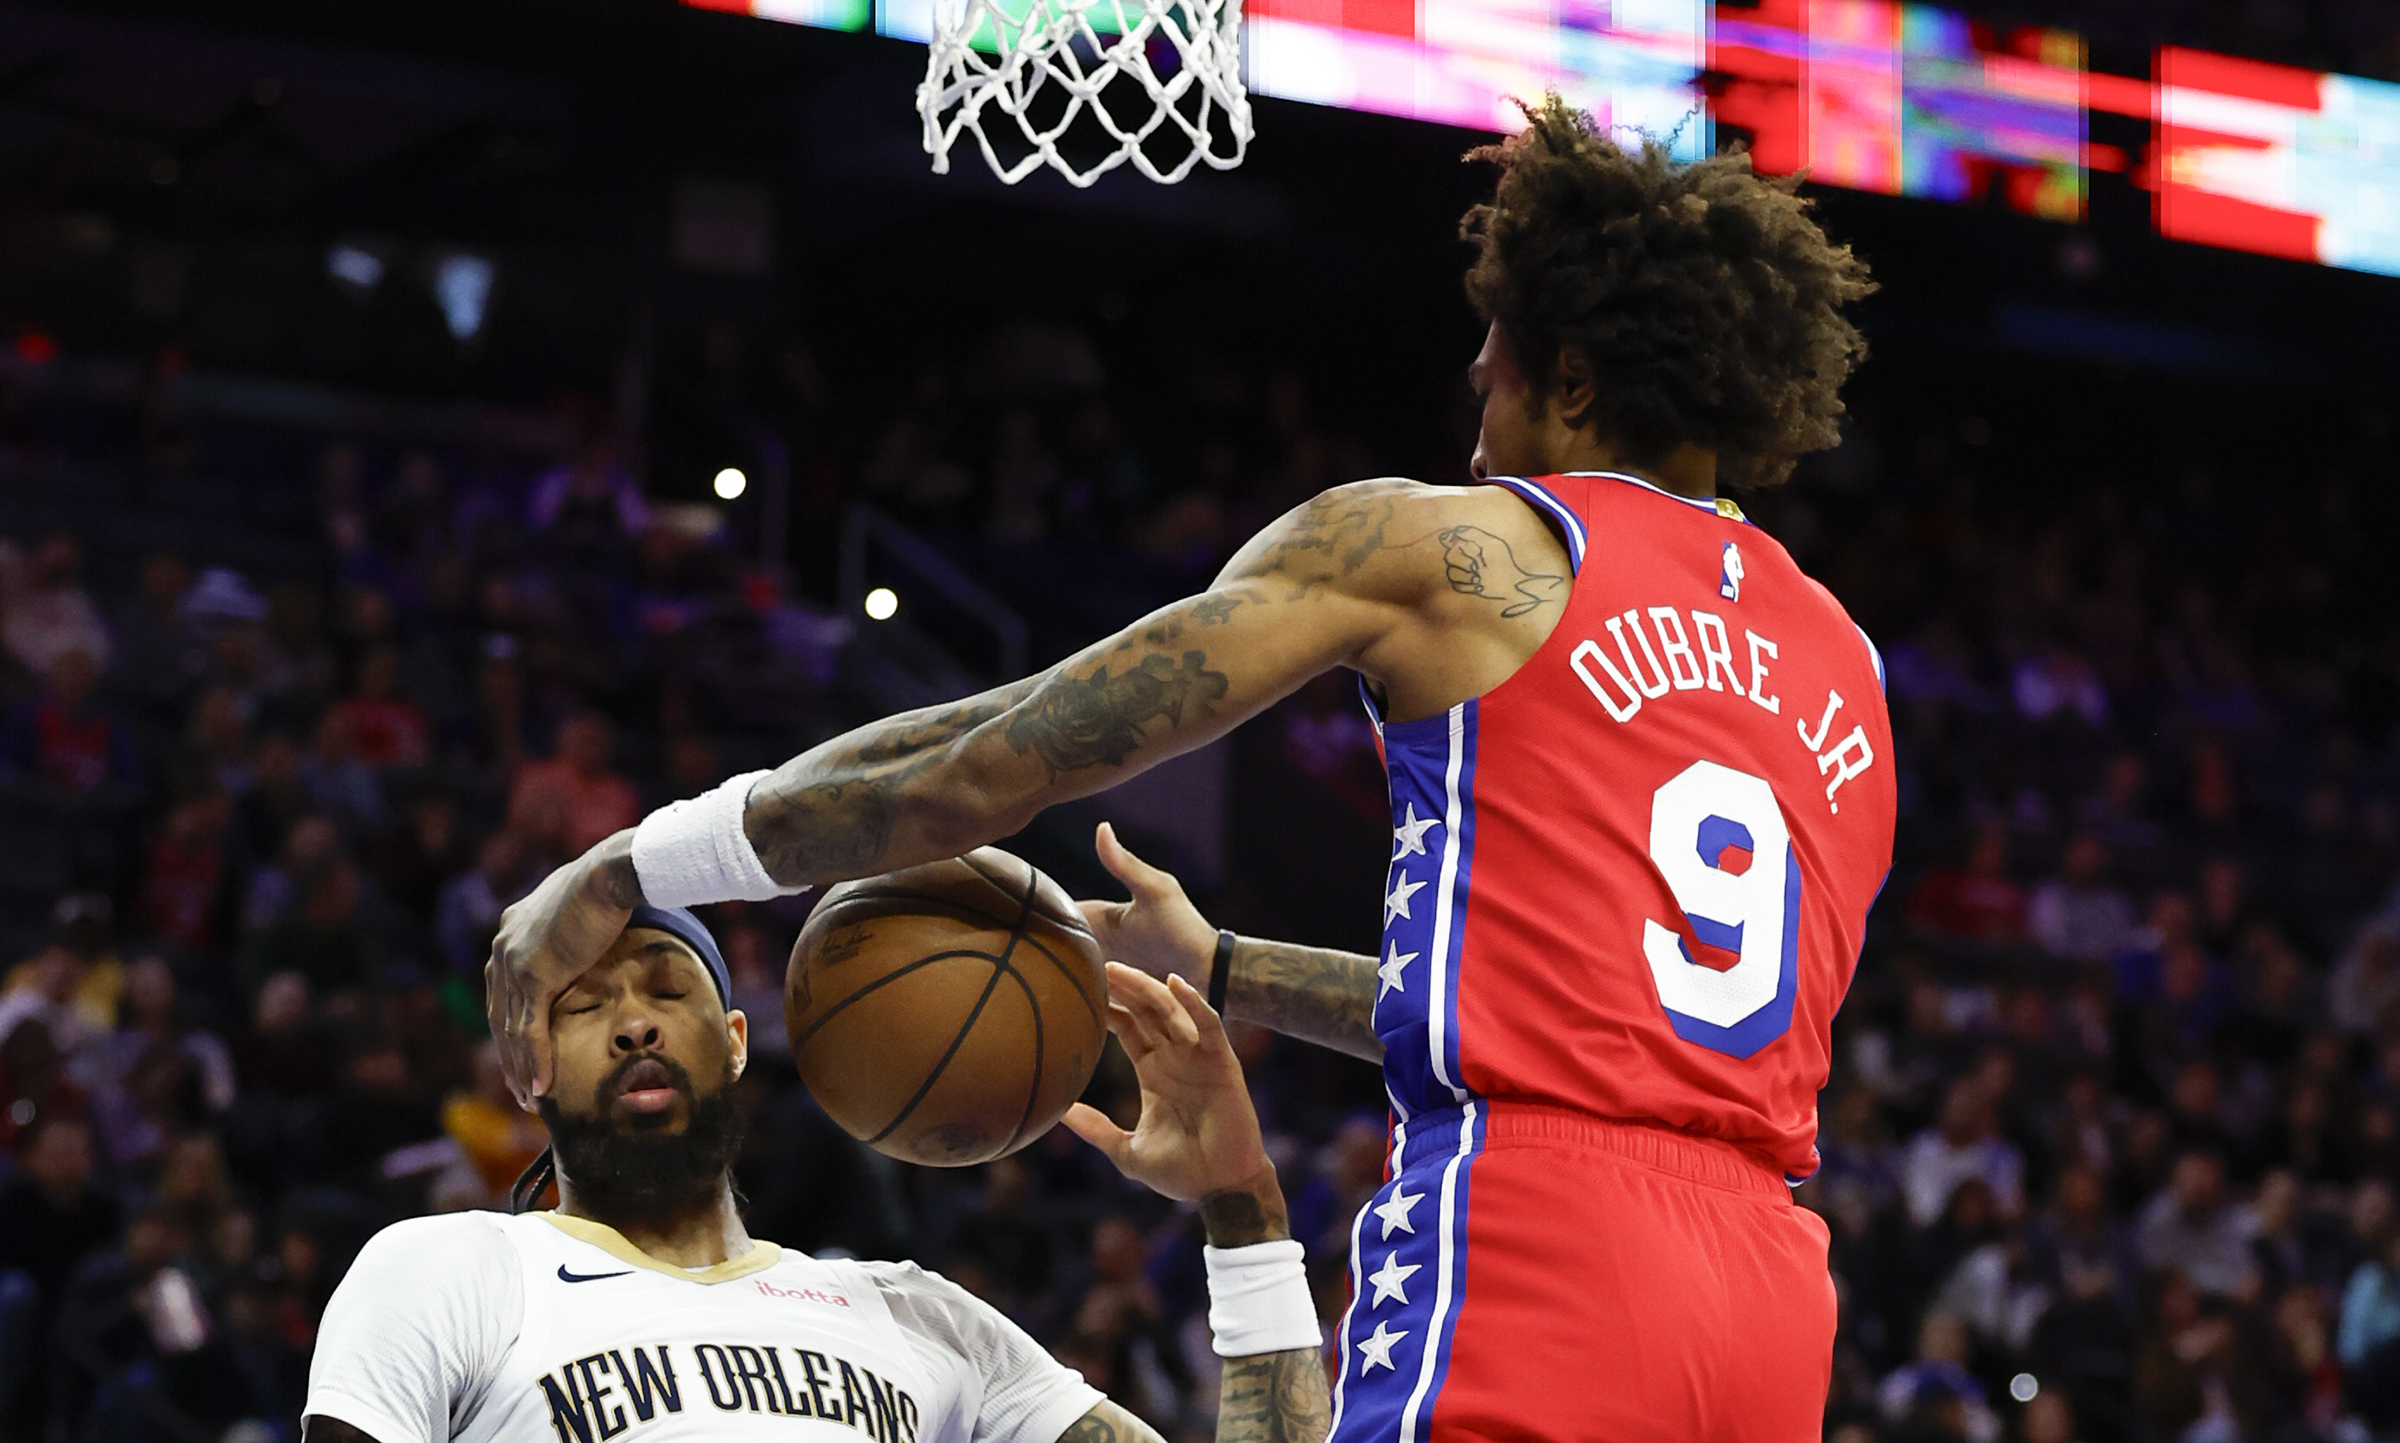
{"x":707,"y":1234}
{"x":1687,"y":470}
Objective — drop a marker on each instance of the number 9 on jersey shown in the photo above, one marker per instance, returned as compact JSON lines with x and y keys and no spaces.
{"x":1719,"y":840}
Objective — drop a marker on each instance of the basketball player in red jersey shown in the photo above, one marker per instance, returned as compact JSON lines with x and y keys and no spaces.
{"x":1642,"y":799}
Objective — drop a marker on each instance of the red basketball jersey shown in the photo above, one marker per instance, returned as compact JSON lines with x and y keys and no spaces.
{"x":1632,"y":880}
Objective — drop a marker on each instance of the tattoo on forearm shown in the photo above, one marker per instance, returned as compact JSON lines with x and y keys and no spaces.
{"x":1274,"y":1398}
{"x":1237,"y":1218}
{"x":1075,"y":722}
{"x":830,"y":812}
{"x":1479,"y":563}
{"x":827,"y":828}
{"x":1313,"y":993}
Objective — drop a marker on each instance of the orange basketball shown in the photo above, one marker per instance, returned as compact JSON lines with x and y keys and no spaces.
{"x":947,"y":1014}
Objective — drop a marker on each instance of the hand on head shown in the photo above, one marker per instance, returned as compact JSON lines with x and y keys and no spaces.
{"x":545,"y":942}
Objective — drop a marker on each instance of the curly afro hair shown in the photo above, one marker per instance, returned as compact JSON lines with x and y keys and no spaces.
{"x":1704,"y":297}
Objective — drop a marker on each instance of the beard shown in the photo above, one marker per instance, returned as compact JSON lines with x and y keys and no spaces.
{"x":639,"y":1173}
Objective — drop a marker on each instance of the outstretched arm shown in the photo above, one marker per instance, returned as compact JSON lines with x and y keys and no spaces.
{"x":1313,"y":591}
{"x":1317,"y":994}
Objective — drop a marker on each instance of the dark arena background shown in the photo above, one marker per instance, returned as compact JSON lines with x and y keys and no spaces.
{"x":432,"y":434}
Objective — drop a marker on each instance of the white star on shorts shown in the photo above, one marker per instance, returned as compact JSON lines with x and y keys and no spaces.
{"x":1395,"y":1209}
{"x":1375,"y":1350}
{"x":1395,"y":903}
{"x":1388,"y":972}
{"x":1388,"y":1279}
{"x":1408,"y":839}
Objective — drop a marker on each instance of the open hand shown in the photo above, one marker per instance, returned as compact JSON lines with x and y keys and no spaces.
{"x":1159,"y":931}
{"x":1198,"y":1133}
{"x":545,"y":942}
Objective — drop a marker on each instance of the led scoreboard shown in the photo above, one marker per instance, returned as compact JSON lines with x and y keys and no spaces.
{"x":1873,"y":95}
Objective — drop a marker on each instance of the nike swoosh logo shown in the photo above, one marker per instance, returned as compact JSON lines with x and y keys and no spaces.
{"x":566,"y":1277}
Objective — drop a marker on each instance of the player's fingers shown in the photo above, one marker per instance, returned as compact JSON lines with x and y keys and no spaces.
{"x":1139,"y":1039}
{"x":1139,"y":877}
{"x":1093,"y":1126}
{"x":537,"y":1045}
{"x":1147,"y":998}
{"x":1196,"y":1013}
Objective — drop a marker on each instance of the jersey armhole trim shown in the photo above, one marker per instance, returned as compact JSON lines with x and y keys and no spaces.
{"x":1570,"y":526}
{"x":762,"y":1255}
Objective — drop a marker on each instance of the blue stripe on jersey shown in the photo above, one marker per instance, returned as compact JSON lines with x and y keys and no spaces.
{"x":1431,"y":766}
{"x":1569,"y":524}
{"x":1408,"y":1278}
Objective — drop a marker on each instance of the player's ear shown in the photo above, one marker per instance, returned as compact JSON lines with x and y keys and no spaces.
{"x":737,"y":1036}
{"x":1574,"y":387}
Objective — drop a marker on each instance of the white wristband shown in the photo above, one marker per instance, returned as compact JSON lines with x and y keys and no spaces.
{"x":1258,"y":1300}
{"x":693,"y":852}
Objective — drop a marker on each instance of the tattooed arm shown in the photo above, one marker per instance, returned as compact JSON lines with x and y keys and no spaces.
{"x":1372,"y":576}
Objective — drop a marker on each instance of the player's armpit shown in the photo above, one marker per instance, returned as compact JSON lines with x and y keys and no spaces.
{"x":317,"y":1428}
{"x":1108,"y":1423}
{"x":1313,"y":993}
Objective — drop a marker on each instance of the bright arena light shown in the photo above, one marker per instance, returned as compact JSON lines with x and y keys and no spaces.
{"x":2024,"y":1387}
{"x":883,"y":603}
{"x":731,"y":483}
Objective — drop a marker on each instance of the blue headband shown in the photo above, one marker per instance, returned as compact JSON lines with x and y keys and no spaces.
{"x":682,"y":925}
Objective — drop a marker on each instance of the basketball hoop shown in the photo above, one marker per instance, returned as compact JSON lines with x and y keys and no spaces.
{"x":1159,"y":80}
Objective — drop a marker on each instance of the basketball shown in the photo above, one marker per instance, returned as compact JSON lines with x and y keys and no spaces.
{"x":947,"y":1014}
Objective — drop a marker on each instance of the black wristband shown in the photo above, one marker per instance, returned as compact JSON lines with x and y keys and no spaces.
{"x":1219,"y":969}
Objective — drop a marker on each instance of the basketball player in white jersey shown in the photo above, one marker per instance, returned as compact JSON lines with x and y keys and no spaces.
{"x":641,"y":1310}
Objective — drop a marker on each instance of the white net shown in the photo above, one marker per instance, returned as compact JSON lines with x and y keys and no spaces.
{"x":1085,"y":86}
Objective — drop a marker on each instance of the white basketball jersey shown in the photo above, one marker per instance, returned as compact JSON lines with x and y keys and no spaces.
{"x":482,"y":1328}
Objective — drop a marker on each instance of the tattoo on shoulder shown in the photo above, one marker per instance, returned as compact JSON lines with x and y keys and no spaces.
{"x":1329,"y":538}
{"x":1480,"y":563}
{"x":1099,"y":720}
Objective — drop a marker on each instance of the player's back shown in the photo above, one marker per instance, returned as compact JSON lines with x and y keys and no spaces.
{"x":1631,"y":882}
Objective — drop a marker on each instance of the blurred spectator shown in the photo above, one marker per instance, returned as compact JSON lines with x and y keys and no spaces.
{"x":190,"y":871}
{"x":2076,"y":914}
{"x":384,"y":728}
{"x":1935,"y":1396}
{"x":499,"y":1138}
{"x":52,"y":1217}
{"x":68,"y":736}
{"x":340,"y":782}
{"x":573,"y":800}
{"x":2058,"y":683}
{"x":44,"y":611}
{"x":1976,"y":901}
{"x":154,"y":656}
{"x":1965,"y":1145}
{"x":468,"y":912}
{"x":2194,"y":1229}
{"x":590,"y":501}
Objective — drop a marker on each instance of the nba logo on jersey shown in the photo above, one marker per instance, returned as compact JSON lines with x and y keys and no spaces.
{"x":1729,"y":580}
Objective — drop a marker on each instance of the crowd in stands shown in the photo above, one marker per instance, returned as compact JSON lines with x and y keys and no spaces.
{"x":2109,"y":1153}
